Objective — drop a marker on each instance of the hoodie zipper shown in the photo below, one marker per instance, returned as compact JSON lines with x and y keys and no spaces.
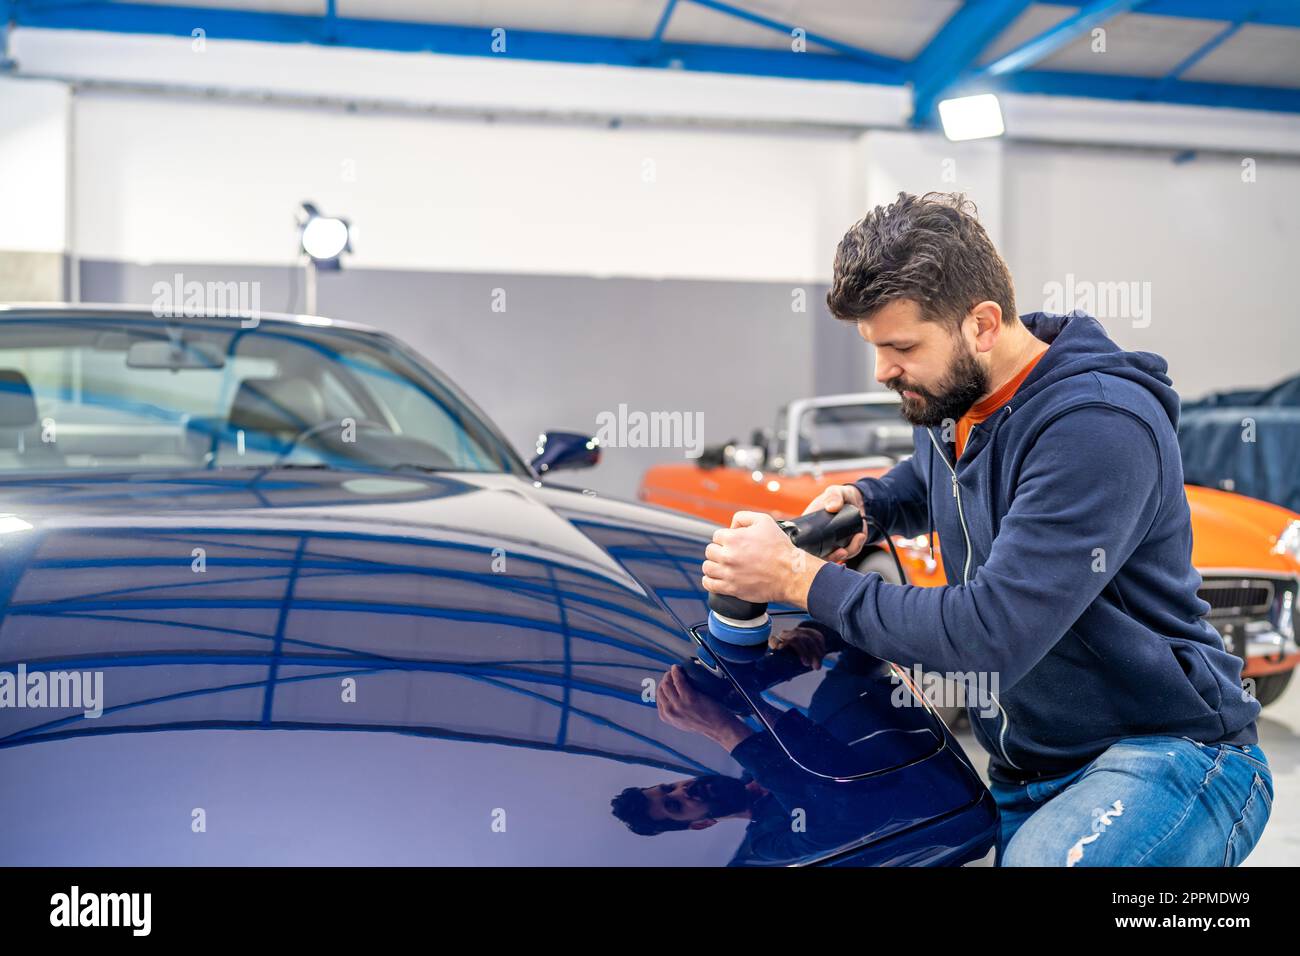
{"x":956,"y":493}
{"x":965,"y":574}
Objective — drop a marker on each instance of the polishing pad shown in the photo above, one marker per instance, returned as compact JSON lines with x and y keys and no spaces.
{"x":745,"y":633}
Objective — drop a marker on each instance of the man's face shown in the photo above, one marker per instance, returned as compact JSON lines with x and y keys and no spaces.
{"x":935,"y":371}
{"x":697,"y":799}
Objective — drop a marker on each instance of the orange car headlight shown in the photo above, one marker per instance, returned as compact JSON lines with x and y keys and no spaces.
{"x":1288,"y":542}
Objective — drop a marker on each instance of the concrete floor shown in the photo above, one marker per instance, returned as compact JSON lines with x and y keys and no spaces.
{"x":1279,"y":736}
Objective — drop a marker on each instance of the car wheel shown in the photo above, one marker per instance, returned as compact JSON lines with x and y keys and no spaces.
{"x":874,"y":559}
{"x":1269,"y":687}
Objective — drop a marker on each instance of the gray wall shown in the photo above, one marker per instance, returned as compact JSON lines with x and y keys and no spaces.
{"x":567,"y":348}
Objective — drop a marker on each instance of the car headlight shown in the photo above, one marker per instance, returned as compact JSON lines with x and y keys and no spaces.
{"x":1288,"y":542}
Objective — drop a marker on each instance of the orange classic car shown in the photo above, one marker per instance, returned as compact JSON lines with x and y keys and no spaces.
{"x":1247,"y":551}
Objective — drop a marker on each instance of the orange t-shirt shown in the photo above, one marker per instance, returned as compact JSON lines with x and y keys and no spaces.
{"x":982,"y":410}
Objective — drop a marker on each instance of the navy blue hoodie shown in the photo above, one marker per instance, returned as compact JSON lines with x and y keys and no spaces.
{"x":1067,"y":544}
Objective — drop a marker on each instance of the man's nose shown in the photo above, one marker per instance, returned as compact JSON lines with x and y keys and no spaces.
{"x":886,"y":370}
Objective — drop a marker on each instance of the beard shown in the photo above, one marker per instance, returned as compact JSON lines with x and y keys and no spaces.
{"x":965,"y":383}
{"x":724,"y":795}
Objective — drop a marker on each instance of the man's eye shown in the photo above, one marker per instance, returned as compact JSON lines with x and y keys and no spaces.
{"x":908,"y":349}
{"x":672,"y":806}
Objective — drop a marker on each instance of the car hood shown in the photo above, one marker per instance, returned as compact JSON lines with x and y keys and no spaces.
{"x":1232,"y":532}
{"x":307,"y":657}
{"x":306,"y":667}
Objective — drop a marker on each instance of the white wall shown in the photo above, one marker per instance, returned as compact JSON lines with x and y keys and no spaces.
{"x":33,"y":165}
{"x":893,"y":161}
{"x":1217,"y":255}
{"x":192,"y":181}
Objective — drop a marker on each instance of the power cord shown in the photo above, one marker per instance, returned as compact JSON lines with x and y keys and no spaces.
{"x":889,"y":541}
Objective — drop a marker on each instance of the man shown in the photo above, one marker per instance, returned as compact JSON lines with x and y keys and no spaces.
{"x":1047,"y":460}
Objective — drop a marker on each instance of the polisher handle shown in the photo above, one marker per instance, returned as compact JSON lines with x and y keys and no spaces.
{"x":822,"y":532}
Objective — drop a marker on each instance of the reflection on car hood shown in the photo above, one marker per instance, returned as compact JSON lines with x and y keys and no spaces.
{"x":325,"y":667}
{"x":465,"y":608}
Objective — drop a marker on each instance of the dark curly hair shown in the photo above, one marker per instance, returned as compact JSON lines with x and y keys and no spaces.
{"x":930,"y":249}
{"x":632,"y":807}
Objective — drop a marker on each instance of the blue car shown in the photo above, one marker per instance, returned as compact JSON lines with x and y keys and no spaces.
{"x":276,"y":592}
{"x":1247,"y":441}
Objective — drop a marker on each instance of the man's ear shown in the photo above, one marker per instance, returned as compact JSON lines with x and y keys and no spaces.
{"x":988,"y":324}
{"x":703,"y":824}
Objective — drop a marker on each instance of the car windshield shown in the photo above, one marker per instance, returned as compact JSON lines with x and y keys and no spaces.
{"x":138,"y":393}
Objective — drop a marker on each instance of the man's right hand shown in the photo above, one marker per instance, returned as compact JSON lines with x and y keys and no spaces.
{"x":832,"y":499}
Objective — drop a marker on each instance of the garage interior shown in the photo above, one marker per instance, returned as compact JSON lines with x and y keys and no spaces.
{"x":572,"y":207}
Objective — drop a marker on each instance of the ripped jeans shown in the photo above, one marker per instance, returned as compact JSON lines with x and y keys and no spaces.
{"x":1144,"y":801}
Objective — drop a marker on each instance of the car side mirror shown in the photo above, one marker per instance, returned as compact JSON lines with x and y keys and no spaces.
{"x":557,"y":451}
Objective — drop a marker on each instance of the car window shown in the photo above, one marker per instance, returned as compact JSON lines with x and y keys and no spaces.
{"x":842,"y":432}
{"x":135,"y":392}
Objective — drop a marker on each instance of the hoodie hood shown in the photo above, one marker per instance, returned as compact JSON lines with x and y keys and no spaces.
{"x":1079,"y":344}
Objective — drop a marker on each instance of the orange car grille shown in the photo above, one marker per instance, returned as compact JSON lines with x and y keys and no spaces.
{"x":1236,"y":597}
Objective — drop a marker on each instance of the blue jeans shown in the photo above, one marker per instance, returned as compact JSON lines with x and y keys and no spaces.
{"x":1144,"y":801}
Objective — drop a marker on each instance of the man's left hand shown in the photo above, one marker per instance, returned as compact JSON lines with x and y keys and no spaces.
{"x":755,"y":561}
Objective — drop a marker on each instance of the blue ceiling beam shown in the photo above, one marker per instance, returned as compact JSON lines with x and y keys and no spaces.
{"x":23,"y":9}
{"x":133,"y":18}
{"x":1145,"y":89}
{"x":657,"y":38}
{"x":1272,"y":13}
{"x":880,"y":62}
{"x":408,"y":37}
{"x":664,"y":17}
{"x":1059,"y":36}
{"x":954,"y":48}
{"x":1201,"y":52}
{"x":331,"y":21}
{"x":6,"y":12}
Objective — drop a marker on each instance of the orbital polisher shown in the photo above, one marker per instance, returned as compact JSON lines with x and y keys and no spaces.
{"x":820,"y":533}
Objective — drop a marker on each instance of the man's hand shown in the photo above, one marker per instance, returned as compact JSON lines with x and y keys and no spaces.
{"x":754,"y":560}
{"x":684,"y":706}
{"x":833,"y":499}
